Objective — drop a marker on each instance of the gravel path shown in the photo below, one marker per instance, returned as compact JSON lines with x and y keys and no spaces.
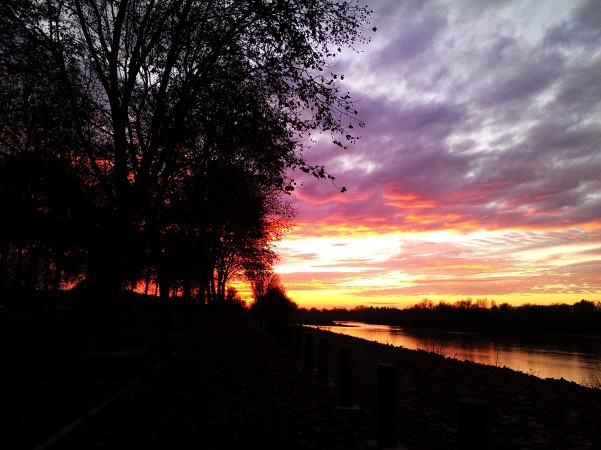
{"x":222,"y":384}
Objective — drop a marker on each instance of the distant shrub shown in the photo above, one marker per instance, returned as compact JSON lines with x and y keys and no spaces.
{"x":276,"y":305}
{"x":481,"y":316}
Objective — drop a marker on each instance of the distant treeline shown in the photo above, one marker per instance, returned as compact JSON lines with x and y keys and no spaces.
{"x":583,"y":317}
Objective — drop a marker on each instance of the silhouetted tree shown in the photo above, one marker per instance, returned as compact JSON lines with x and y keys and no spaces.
{"x":42,"y":186}
{"x":583,"y":317}
{"x":233,"y":303}
{"x":271,"y":301}
{"x":147,"y":70}
{"x":41,"y":219}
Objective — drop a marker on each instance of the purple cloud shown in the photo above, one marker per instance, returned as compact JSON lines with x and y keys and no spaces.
{"x":478,"y":116}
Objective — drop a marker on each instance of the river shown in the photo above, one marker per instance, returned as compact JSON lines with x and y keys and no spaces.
{"x":570,"y":358}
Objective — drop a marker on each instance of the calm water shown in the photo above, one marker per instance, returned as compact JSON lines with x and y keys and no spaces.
{"x":574,"y":359}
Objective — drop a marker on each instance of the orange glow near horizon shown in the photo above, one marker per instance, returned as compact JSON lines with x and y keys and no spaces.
{"x":347,"y":267}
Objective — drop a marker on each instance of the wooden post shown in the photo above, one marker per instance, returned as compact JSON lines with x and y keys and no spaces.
{"x":474,"y":431}
{"x":298,"y":343}
{"x":387,"y":406}
{"x":346,"y":377}
{"x":323,"y":360}
{"x":3,"y":371}
{"x":291,"y":338}
{"x":282,"y":330}
{"x":309,"y":351}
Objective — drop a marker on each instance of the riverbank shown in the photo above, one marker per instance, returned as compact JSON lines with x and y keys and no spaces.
{"x":574,"y":359}
{"x":229,"y":384}
{"x":526,"y":412}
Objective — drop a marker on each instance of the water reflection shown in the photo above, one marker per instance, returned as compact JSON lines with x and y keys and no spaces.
{"x":574,"y":359}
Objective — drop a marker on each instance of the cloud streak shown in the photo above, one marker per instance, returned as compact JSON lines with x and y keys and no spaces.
{"x":481,"y":117}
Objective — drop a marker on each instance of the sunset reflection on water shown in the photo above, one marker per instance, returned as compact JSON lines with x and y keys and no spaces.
{"x":569,"y":358}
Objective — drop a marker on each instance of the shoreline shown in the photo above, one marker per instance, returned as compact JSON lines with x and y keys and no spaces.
{"x":556,"y":357}
{"x":526,"y":411}
{"x":497,"y":335}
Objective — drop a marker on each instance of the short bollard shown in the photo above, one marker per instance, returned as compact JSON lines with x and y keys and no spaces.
{"x":3,"y":372}
{"x":283,"y":334}
{"x":298,"y":343}
{"x":387,"y":406}
{"x":323,"y":360}
{"x":309,"y":351}
{"x":346,"y":377}
{"x":291,"y":336}
{"x":473,"y":425}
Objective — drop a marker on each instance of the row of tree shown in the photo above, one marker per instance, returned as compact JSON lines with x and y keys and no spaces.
{"x":482,"y":316}
{"x":147,"y":141}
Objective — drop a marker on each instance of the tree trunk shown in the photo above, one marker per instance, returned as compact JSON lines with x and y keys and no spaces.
{"x":56,"y":281}
{"x":17,"y":282}
{"x":213,"y":296}
{"x":46,"y":285}
{"x":166,"y":324}
{"x":3,"y":264}
{"x":106,"y":283}
{"x":187,"y":298}
{"x":30,"y":279}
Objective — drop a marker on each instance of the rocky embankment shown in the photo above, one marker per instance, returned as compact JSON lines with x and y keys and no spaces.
{"x":526,"y":412}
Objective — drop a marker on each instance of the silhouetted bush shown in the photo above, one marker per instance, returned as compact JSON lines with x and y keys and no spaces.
{"x":276,"y":305}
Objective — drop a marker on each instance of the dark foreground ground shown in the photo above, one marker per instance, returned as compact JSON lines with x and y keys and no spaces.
{"x":228,"y":384}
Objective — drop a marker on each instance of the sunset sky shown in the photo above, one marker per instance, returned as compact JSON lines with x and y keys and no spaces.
{"x":478,"y":172}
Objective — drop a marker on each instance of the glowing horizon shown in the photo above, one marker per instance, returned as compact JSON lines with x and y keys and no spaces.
{"x":401,"y":269}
